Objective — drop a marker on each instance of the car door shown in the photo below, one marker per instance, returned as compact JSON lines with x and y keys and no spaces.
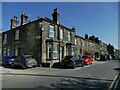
{"x":90,"y":59}
{"x":81,"y":61}
{"x":74,"y":60}
{"x":77,"y":60}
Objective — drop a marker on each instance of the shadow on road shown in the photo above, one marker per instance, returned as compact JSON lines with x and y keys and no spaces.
{"x":118,"y":69}
{"x":17,"y":68}
{"x":67,"y":82}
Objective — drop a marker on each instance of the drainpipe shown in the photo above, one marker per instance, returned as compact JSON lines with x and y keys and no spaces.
{"x":41,"y":31}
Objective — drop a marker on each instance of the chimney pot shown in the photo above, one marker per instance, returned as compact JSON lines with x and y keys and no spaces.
{"x":55,"y":16}
{"x":14,"y":22}
{"x":24,"y":18}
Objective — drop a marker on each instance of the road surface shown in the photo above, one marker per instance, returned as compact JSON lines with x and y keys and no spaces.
{"x":98,"y":75}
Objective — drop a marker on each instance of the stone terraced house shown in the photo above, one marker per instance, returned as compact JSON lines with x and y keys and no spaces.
{"x":47,"y":40}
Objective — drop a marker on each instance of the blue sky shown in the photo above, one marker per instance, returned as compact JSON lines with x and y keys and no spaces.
{"x":92,"y":18}
{"x":0,"y":15}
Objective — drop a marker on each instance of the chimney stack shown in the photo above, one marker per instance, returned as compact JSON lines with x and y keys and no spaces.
{"x":14,"y":22}
{"x":56,"y":16}
{"x":24,"y":18}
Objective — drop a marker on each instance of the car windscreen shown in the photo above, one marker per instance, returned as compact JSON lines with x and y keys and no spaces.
{"x":28,"y":57}
{"x":80,"y":58}
{"x":18,"y":57}
{"x":84,"y":56}
{"x":13,"y":57}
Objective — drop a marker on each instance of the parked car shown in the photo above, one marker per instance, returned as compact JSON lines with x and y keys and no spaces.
{"x":8,"y":60}
{"x":109,"y":57}
{"x":104,"y":57}
{"x":25,"y":61}
{"x":73,"y":61}
{"x":87,"y":59}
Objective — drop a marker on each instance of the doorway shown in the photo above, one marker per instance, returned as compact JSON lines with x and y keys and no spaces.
{"x":61,"y":53}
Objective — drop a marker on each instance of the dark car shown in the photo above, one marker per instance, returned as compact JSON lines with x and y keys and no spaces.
{"x":8,"y":60}
{"x":104,"y":57}
{"x":73,"y":61}
{"x":25,"y":61}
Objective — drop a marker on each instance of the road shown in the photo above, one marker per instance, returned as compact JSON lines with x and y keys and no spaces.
{"x":98,"y":75}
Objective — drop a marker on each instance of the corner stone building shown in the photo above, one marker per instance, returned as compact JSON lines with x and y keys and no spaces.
{"x":47,"y":40}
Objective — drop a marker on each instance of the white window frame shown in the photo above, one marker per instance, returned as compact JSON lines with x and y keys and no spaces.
{"x":69,"y":36}
{"x":49,"y":46}
{"x":8,"y":51}
{"x":51,"y":31}
{"x":5,"y":38}
{"x":75,"y":41}
{"x":55,"y":51}
{"x":17,"y":34}
{"x":4,"y":51}
{"x":61,"y":33}
{"x":73,"y":50}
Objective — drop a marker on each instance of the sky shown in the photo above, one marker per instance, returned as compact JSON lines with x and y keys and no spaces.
{"x":0,"y":15}
{"x":60,"y":0}
{"x":92,"y":18}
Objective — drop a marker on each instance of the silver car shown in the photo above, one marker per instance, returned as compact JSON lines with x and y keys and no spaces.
{"x":25,"y":61}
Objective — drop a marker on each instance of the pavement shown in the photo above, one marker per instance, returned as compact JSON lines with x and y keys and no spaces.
{"x":117,"y":87}
{"x":116,"y":83}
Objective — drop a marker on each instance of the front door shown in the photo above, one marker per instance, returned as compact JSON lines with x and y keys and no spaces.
{"x":61,"y":53}
{"x":18,"y":51}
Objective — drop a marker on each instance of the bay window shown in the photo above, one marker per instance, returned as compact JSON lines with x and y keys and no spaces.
{"x":52,"y":51}
{"x":55,"y":52}
{"x":49,"y":54}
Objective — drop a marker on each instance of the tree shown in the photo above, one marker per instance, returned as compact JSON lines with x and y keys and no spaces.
{"x":110,"y":49}
{"x":97,"y":40}
{"x":86,"y":36}
{"x":92,"y":38}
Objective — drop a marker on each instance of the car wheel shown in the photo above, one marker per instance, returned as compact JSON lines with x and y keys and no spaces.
{"x":24,"y":66}
{"x":3,"y":64}
{"x":74,"y":66}
{"x":63,"y":66}
{"x":82,"y":64}
{"x":12,"y":65}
